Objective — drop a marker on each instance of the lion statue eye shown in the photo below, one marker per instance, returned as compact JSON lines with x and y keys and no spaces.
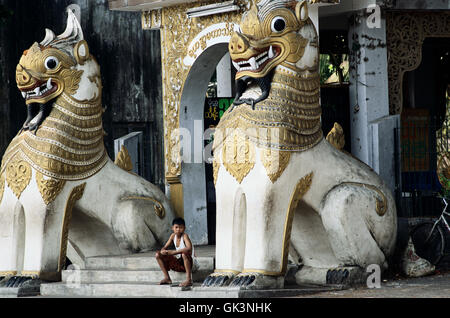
{"x":51,"y":63}
{"x":278,"y":24}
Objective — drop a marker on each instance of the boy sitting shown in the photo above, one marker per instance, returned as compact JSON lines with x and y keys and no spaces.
{"x":180,"y":259}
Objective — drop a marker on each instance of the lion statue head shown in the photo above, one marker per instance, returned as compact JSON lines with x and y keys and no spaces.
{"x":57,"y":65}
{"x":273,"y":33}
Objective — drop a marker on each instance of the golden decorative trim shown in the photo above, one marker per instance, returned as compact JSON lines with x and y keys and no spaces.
{"x":74,"y":196}
{"x":177,"y":33}
{"x":264,"y":272}
{"x":381,"y":204}
{"x":216,"y":167}
{"x":30,"y":273}
{"x":96,"y":114}
{"x":8,"y":273}
{"x":66,"y":127}
{"x":76,"y":138}
{"x":406,"y":33}
{"x":275,"y":162}
{"x":289,"y":119}
{"x":49,"y":188}
{"x":336,"y":137}
{"x":75,"y":172}
{"x":47,"y":276}
{"x":66,"y":146}
{"x":123,"y":160}
{"x":158,"y":207}
{"x":238,"y":156}
{"x":301,"y":189}
{"x":219,"y":271}
{"x":2,"y":186}
{"x":176,"y":195}
{"x":18,"y":175}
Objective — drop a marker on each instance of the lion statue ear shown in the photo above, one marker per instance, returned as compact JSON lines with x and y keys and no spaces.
{"x":301,"y":11}
{"x":81,"y":52}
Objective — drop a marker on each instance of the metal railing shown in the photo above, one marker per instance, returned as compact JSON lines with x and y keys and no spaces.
{"x":421,"y":145}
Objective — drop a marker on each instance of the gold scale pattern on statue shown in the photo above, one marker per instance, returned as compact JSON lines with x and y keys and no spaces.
{"x":69,"y":143}
{"x":288,"y":120}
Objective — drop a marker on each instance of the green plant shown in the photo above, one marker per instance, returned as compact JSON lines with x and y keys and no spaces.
{"x":326,"y":68}
{"x":332,"y":64}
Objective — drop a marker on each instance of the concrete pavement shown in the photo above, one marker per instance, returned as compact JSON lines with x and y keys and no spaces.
{"x":433,"y":286}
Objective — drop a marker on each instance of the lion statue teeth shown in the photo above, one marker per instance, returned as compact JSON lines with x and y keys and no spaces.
{"x":58,"y":187}
{"x":283,"y":191}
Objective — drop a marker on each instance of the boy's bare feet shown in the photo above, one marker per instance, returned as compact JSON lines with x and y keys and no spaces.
{"x":165,"y":281}
{"x":186,"y":283}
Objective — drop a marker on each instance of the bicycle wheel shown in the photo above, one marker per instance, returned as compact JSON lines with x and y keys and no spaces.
{"x":431,"y":249}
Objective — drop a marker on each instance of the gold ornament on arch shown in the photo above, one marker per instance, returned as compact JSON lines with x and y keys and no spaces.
{"x":178,"y":31}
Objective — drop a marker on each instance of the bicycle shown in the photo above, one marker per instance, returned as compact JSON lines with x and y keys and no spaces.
{"x":429,"y":238}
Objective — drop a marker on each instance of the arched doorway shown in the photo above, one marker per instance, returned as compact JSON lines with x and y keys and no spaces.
{"x":424,"y":130}
{"x":198,"y":186}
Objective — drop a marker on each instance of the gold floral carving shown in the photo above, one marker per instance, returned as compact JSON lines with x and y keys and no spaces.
{"x":275,"y":162}
{"x":123,"y":160}
{"x":49,"y":188}
{"x":75,"y":195}
{"x":18,"y":175}
{"x":301,"y":189}
{"x":2,"y":186}
{"x":406,"y":33}
{"x":238,"y":156}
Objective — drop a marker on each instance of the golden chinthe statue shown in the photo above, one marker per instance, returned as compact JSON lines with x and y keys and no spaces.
{"x":283,"y":191}
{"x":57,"y":184}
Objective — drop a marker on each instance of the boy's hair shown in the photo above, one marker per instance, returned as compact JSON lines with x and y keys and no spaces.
{"x":178,"y":221}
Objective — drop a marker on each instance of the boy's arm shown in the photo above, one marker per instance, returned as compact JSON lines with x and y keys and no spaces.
{"x":169,"y":241}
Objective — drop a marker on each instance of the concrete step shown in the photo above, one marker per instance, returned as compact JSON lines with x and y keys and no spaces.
{"x":9,"y":292}
{"x":115,"y":289}
{"x":137,"y":276}
{"x":141,"y":290}
{"x":138,"y":262}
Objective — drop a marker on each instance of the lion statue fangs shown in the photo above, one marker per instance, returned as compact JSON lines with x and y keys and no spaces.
{"x":57,"y":184}
{"x":297,"y":193}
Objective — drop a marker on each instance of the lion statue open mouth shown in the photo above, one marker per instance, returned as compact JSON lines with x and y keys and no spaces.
{"x":283,"y":191}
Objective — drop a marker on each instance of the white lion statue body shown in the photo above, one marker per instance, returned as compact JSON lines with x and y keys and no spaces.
{"x":57,"y":183}
{"x":283,"y":191}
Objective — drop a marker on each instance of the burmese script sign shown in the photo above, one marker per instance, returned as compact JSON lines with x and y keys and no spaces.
{"x":214,"y":34}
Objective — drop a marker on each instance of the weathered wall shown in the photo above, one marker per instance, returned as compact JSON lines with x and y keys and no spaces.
{"x":130,"y":62}
{"x":4,"y":91}
{"x":423,"y":4}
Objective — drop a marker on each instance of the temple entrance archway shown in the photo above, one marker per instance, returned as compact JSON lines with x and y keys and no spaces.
{"x":198,"y":186}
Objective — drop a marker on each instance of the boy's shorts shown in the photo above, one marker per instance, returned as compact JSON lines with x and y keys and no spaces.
{"x":173,"y":263}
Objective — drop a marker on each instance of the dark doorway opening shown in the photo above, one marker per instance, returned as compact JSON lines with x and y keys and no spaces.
{"x":425,"y":123}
